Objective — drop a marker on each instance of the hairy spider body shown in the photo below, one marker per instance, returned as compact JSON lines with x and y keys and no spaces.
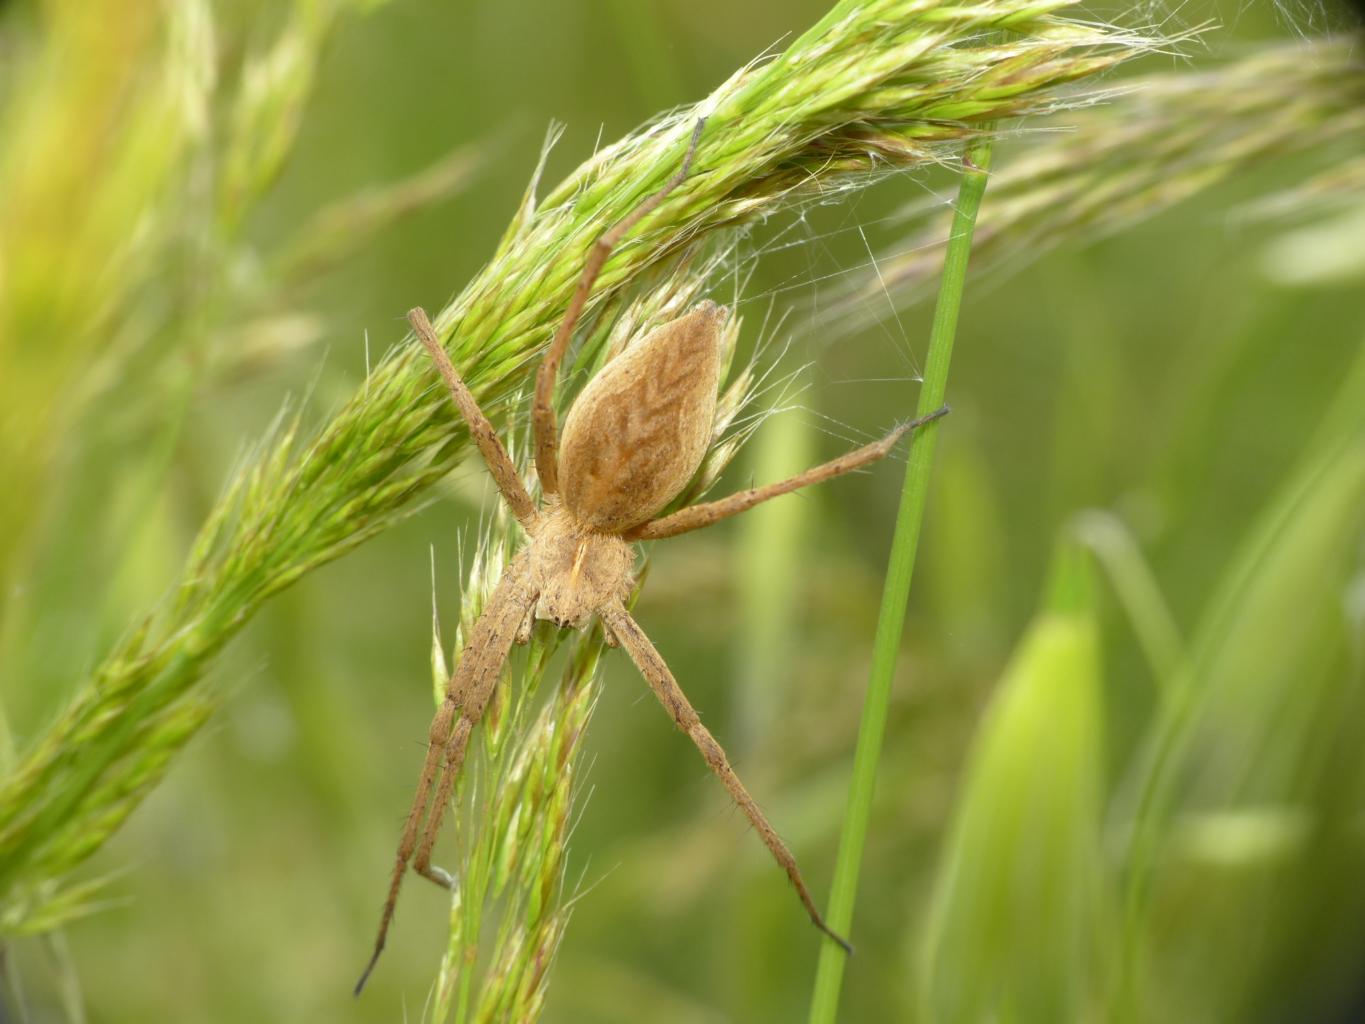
{"x":632,"y":441}
{"x":575,"y":570}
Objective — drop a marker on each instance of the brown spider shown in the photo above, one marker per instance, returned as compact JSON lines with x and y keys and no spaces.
{"x":633,"y":439}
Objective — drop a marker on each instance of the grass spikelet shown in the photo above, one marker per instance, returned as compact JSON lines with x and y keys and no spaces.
{"x":517,"y":847}
{"x":126,"y":97}
{"x":1022,"y":867}
{"x":269,"y":106}
{"x":513,"y":817}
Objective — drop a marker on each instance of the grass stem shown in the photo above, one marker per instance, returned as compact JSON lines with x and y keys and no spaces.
{"x":900,"y":567}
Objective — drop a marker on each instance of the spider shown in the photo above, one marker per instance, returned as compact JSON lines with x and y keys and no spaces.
{"x":633,"y":439}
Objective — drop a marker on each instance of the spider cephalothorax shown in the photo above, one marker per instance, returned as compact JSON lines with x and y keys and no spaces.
{"x":574,"y":571}
{"x":632,"y":441}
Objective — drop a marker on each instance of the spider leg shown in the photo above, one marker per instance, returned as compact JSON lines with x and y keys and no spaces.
{"x":527,"y":626}
{"x":480,"y":429}
{"x":440,"y":731}
{"x":542,"y":410}
{"x":656,"y":672}
{"x":467,"y":693}
{"x":454,"y":761}
{"x":496,"y":644}
{"x":698,"y":516}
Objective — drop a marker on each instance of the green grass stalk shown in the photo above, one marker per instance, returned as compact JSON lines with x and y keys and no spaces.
{"x":900,"y":567}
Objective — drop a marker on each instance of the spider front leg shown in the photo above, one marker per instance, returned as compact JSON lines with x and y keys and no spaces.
{"x":467,"y":695}
{"x":542,"y":409}
{"x":454,"y":760}
{"x":495,"y":456}
{"x":696,"y":517}
{"x":656,"y":672}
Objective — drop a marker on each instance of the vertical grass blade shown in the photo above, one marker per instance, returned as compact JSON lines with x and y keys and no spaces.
{"x":900,"y":566}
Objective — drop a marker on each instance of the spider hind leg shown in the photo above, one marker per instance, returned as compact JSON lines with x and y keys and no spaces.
{"x":657,"y":673}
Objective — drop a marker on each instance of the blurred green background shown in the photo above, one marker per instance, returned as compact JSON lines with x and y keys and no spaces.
{"x":1158,"y":374}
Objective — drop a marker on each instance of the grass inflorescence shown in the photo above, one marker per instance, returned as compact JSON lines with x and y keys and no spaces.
{"x":1160,"y":140}
{"x":514,"y":813}
{"x":872,"y":87}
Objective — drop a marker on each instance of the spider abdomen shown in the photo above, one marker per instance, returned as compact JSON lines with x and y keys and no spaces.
{"x":640,"y":428}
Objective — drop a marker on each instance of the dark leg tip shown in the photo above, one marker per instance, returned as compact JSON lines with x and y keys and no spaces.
{"x":365,"y":975}
{"x":839,"y":940}
{"x":937,"y":414}
{"x":842,"y":942}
